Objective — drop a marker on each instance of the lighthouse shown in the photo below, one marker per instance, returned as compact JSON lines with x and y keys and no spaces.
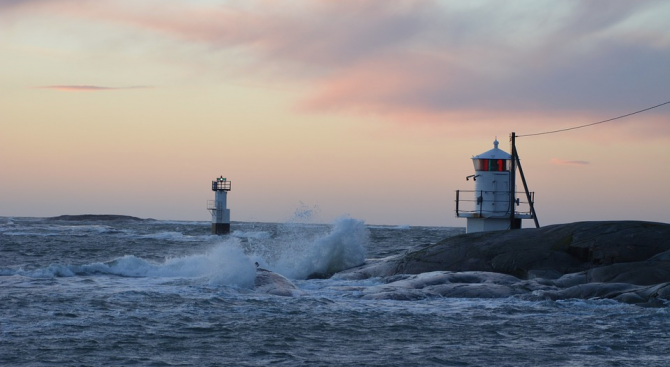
{"x":220,"y":214}
{"x":492,"y":205}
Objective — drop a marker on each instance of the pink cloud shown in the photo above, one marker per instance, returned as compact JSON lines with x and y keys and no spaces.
{"x":421,"y":57}
{"x":86,"y":88}
{"x":565,"y":162}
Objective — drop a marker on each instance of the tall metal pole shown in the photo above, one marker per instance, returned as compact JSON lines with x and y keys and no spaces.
{"x":525,"y":187}
{"x":512,"y":180}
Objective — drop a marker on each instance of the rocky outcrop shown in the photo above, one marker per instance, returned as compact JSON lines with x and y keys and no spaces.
{"x":624,"y":260}
{"x":272,"y":283}
{"x":96,"y":217}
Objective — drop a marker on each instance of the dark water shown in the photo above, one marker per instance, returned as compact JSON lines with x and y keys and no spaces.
{"x":167,"y":293}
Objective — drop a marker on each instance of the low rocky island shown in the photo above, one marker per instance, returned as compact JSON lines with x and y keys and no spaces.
{"x":627,"y":261}
{"x":97,"y":217}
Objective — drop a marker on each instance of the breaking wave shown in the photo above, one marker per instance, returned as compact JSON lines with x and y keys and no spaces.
{"x":224,"y":264}
{"x":298,"y":254}
{"x":295,"y":253}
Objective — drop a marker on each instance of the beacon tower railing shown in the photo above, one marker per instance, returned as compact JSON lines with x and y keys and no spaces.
{"x":471,"y":203}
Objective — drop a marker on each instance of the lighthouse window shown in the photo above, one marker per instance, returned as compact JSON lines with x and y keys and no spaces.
{"x":482,"y":164}
{"x":498,"y":165}
{"x":491,"y":165}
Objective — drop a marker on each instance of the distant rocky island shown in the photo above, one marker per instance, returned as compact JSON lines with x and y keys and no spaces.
{"x":98,"y":217}
{"x":627,"y":261}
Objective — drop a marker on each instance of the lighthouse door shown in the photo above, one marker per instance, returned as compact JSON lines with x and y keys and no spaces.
{"x":501,"y":194}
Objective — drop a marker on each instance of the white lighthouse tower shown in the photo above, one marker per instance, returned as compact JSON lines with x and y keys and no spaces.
{"x":491,"y":206}
{"x":220,"y":214}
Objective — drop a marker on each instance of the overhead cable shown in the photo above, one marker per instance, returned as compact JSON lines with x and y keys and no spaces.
{"x":594,"y":123}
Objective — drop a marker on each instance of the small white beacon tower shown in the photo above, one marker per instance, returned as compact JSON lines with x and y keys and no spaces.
{"x":220,"y":214}
{"x":490,"y":207}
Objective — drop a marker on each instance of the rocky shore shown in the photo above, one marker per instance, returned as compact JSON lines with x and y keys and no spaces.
{"x":628,"y":261}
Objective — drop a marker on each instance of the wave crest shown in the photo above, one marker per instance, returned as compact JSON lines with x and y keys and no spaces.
{"x":224,"y":264}
{"x":299,"y":256}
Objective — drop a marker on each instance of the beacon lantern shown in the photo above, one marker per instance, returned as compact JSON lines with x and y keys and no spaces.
{"x":220,"y":214}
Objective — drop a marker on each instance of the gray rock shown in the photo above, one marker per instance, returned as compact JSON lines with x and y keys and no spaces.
{"x":648,"y":272}
{"x":556,"y":250}
{"x":657,"y":295}
{"x":275,"y":284}
{"x":628,"y":261}
{"x":543,"y":274}
{"x":447,"y":284}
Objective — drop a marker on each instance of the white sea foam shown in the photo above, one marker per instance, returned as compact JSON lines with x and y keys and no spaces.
{"x":224,"y":264}
{"x":12,"y":229}
{"x":297,"y":254}
{"x":300,"y":251}
{"x":172,"y":236}
{"x":398,"y":227}
{"x":187,"y":223}
{"x":81,"y":229}
{"x":251,"y":234}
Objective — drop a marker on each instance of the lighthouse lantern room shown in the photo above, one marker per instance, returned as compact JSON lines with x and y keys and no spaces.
{"x":492,"y":205}
{"x":220,"y":214}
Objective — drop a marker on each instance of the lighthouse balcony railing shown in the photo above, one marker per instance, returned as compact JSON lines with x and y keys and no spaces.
{"x":481,"y":203}
{"x":211,"y":205}
{"x":221,"y":185}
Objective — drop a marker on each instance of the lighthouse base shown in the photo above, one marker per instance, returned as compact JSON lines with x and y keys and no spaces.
{"x":220,"y":228}
{"x":491,"y":224}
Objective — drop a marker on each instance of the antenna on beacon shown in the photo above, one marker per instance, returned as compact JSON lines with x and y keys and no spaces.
{"x":220,"y":214}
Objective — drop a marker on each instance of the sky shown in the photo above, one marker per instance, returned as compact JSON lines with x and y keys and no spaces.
{"x":370,"y":108}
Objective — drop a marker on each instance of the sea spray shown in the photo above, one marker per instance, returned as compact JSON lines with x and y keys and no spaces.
{"x":224,"y":264}
{"x":231,"y":267}
{"x":298,"y":254}
{"x":295,"y":250}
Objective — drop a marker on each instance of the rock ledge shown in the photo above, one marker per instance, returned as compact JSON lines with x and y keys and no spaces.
{"x":624,"y":260}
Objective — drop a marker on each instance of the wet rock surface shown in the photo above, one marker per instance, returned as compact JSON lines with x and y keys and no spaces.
{"x":272,"y":283}
{"x":628,"y":261}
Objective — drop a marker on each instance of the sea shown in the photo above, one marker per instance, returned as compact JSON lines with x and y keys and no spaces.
{"x":121,"y":292}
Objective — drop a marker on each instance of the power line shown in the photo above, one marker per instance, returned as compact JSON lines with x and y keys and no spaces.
{"x":594,"y":123}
